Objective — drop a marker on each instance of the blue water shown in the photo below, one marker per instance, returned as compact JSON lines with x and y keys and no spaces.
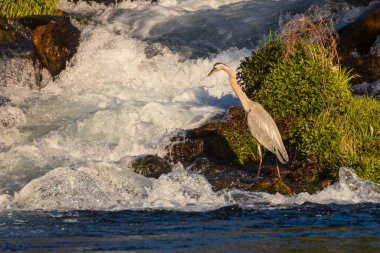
{"x":304,"y":228}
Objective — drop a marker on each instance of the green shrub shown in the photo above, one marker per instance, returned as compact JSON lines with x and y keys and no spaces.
{"x":323,"y":126}
{"x":21,"y":8}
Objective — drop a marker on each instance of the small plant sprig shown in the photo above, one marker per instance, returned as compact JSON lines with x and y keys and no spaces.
{"x":22,"y":8}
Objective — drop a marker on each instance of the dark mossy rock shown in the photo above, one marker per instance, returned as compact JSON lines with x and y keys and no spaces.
{"x":185,"y":151}
{"x":7,"y":37}
{"x":359,"y":2}
{"x":272,"y":185}
{"x":359,"y":36}
{"x":207,"y":150}
{"x":7,"y":34}
{"x":231,"y":176}
{"x":208,"y":140}
{"x":55,"y":44}
{"x":32,"y":22}
{"x":14,"y":28}
{"x":151,"y":166}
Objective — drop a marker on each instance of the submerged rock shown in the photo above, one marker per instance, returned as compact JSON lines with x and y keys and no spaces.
{"x":55,"y":44}
{"x":4,"y":100}
{"x":151,"y":166}
{"x":95,"y":187}
{"x":19,"y":68}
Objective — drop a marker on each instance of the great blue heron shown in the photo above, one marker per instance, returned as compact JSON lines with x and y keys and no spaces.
{"x":260,"y":123}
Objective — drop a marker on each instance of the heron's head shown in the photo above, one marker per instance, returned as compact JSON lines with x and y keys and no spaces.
{"x":217,"y":66}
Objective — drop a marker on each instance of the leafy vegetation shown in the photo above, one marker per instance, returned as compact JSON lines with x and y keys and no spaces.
{"x":296,"y":77}
{"x":241,"y":142}
{"x":21,"y":8}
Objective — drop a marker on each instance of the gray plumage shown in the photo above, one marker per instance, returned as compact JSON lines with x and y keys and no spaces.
{"x":265,"y":131}
{"x":260,"y":123}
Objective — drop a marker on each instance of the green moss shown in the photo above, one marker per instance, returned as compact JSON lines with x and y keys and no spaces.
{"x":323,"y":126}
{"x":242,"y":143}
{"x":238,"y":140}
{"x":21,"y":8}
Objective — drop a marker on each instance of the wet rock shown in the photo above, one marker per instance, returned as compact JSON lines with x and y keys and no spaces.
{"x":4,"y":100}
{"x":355,"y":42}
{"x":361,"y":34}
{"x":272,"y":185}
{"x":32,"y":22}
{"x":19,"y":68}
{"x":205,"y":151}
{"x":359,"y":2}
{"x":151,"y":166}
{"x":185,"y":151}
{"x":206,"y":141}
{"x":9,"y":36}
{"x":369,"y":89}
{"x":55,"y":44}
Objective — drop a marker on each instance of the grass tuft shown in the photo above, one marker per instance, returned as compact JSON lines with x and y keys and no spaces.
{"x":22,"y":8}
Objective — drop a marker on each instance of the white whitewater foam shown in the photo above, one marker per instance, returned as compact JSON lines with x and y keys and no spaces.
{"x":100,"y":186}
{"x":349,"y":190}
{"x":192,"y":27}
{"x":112,"y":102}
{"x":122,"y":96}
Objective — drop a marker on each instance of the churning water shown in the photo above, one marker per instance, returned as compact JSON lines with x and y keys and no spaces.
{"x":140,"y":74}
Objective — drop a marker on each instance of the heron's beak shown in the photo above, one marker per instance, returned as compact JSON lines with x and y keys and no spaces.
{"x":212,"y":72}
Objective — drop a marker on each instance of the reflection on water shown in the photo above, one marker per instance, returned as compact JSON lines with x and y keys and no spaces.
{"x":305,"y":228}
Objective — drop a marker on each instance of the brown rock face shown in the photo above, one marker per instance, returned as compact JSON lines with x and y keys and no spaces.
{"x":8,"y":36}
{"x":362,"y":33}
{"x":185,"y":151}
{"x":360,"y":36}
{"x":55,"y":44}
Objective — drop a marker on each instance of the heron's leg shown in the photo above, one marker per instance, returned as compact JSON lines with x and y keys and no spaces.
{"x":278,"y":170}
{"x":246,"y":115}
{"x":261,"y":158}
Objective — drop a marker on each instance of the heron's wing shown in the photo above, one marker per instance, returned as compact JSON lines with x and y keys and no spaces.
{"x":265,"y":131}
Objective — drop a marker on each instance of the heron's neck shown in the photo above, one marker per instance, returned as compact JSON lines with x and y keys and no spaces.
{"x":239,"y":93}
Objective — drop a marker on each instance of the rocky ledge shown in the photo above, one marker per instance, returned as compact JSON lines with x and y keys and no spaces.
{"x":206,"y":151}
